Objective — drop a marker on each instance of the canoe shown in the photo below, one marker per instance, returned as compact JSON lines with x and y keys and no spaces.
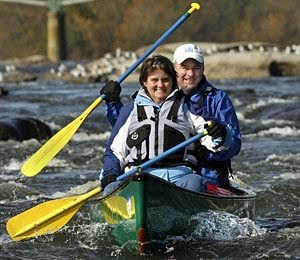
{"x":145,"y":208}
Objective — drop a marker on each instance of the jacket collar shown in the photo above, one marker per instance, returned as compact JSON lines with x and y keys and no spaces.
{"x":143,"y":99}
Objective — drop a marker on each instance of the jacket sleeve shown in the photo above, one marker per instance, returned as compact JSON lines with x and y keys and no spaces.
{"x":112,"y":159}
{"x":113,"y":111}
{"x":197,"y":122}
{"x":224,"y":112}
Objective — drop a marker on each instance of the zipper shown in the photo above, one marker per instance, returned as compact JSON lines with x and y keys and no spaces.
{"x":156,"y":120}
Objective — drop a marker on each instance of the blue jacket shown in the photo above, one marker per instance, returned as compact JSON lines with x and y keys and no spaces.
{"x":216,"y":105}
{"x":210,"y":103}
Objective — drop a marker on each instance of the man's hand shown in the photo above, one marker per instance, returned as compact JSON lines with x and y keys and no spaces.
{"x":215,"y":129}
{"x":112,"y":90}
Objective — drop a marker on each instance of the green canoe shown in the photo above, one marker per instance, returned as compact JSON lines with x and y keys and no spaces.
{"x":146,"y":208}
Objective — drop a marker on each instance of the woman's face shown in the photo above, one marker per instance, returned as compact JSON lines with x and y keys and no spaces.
{"x":159,"y":85}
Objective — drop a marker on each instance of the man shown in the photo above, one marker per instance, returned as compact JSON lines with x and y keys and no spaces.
{"x":203,"y":99}
{"x":212,"y":104}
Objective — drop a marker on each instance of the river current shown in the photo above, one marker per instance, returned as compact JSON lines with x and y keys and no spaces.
{"x":269,"y":163}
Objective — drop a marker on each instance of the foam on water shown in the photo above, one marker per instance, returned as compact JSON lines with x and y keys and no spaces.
{"x":269,"y":101}
{"x":14,"y":165}
{"x":275,"y":121}
{"x":58,"y":162}
{"x":4,"y":239}
{"x":90,"y":185}
{"x":284,"y":159}
{"x":223,"y":226}
{"x":78,"y":137}
{"x":289,"y":176}
{"x":281,"y":131}
{"x":54,"y":127}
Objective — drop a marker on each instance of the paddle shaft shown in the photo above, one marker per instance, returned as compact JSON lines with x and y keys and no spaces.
{"x":194,"y":6}
{"x":162,"y":156}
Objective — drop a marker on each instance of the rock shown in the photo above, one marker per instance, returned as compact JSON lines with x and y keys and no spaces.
{"x":23,"y":129}
{"x":285,"y":69}
{"x":3,"y":92}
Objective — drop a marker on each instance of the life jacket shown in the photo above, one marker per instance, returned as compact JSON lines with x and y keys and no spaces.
{"x":153,"y":131}
{"x":208,"y":89}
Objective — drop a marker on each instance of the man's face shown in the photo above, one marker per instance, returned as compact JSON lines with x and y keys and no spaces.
{"x":189,"y":74}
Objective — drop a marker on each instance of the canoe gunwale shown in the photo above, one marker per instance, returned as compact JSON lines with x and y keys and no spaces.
{"x":144,"y":176}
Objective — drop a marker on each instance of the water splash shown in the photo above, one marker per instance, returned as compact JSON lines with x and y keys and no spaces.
{"x":223,"y":226}
{"x":13,"y":165}
{"x":90,"y":185}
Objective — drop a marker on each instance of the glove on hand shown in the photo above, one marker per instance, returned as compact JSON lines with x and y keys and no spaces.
{"x":215,"y":129}
{"x":112,"y":90}
{"x":200,"y":151}
{"x":107,"y":179}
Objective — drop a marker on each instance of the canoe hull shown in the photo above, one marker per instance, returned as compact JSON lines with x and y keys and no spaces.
{"x":145,"y":207}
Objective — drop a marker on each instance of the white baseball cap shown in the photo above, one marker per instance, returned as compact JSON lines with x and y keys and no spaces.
{"x":187,"y":51}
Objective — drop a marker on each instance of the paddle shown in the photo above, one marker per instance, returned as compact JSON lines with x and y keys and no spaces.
{"x":53,"y":146}
{"x":51,"y":216}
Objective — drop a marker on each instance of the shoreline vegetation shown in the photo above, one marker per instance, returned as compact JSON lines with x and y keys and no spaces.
{"x":236,"y":60}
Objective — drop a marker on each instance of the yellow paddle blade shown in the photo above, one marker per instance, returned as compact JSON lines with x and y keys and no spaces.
{"x":56,"y":143}
{"x":118,"y":208}
{"x":46,"y":218}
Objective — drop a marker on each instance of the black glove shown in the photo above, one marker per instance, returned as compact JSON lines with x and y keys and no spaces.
{"x":215,"y":129}
{"x":107,"y":179}
{"x":200,"y":151}
{"x":112,"y":90}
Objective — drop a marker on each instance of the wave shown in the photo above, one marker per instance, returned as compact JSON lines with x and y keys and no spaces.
{"x":284,"y":131}
{"x":269,"y":101}
{"x":278,"y":122}
{"x":78,"y":137}
{"x":286,"y":160}
{"x":13,"y":190}
{"x":13,"y":165}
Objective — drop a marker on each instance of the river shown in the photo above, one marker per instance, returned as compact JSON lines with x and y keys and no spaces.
{"x":269,"y":114}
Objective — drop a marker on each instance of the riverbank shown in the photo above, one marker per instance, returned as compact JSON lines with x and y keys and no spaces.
{"x":244,"y":60}
{"x":222,"y":61}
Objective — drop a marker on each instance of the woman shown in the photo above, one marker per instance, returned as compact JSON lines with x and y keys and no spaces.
{"x":155,"y":121}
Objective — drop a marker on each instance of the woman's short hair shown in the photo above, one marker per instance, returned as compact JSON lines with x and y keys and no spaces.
{"x":158,"y":62}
